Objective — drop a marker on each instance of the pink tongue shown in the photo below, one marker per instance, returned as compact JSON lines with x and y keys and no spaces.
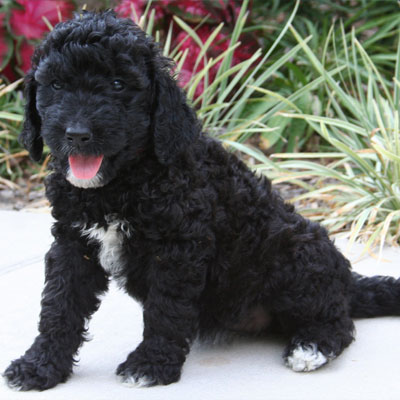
{"x":85,"y":167}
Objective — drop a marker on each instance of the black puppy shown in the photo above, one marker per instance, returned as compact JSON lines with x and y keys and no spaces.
{"x":141,"y":195}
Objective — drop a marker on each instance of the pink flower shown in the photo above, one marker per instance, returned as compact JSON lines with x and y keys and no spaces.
{"x":28,"y":22}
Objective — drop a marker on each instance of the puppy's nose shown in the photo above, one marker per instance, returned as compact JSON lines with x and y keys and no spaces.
{"x":78,"y":134}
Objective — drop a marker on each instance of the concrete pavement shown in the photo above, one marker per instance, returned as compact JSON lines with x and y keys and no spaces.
{"x":246,"y":369}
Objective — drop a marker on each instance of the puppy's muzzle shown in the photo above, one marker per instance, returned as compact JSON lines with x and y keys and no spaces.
{"x":78,"y":135}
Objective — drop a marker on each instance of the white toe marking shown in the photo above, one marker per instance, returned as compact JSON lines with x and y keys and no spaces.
{"x":135,"y":381}
{"x":306,"y":358}
{"x":13,"y":386}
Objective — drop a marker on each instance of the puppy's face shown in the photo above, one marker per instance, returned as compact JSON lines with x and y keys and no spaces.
{"x":94,"y":108}
{"x":101,"y":95}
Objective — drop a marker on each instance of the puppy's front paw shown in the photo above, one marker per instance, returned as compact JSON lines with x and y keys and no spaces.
{"x":141,"y":372}
{"x":32,"y":374}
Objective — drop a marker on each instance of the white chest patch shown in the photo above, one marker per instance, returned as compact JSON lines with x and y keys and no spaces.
{"x":306,"y":358}
{"x":111,"y":254}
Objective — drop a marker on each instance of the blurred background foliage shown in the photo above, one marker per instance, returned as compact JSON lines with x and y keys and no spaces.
{"x":306,"y":92}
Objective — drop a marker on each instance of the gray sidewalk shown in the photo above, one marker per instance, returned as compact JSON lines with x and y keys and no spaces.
{"x":368,"y":369}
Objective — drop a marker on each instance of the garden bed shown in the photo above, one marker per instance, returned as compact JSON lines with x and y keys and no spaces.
{"x":316,"y":108}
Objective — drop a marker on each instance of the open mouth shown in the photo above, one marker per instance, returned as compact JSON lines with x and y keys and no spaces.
{"x":85,"y":167}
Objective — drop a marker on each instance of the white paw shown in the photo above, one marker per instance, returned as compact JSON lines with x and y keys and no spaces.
{"x":14,"y":386}
{"x":135,"y":381}
{"x":306,"y":358}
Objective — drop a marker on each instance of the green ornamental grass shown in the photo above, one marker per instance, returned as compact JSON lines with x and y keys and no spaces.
{"x":359,"y":179}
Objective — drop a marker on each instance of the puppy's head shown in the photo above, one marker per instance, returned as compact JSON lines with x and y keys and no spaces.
{"x":101,"y":96}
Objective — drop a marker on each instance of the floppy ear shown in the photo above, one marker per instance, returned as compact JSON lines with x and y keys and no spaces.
{"x":175,"y":125}
{"x":30,"y":136}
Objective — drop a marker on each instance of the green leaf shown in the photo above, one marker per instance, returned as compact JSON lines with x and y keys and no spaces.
{"x":10,"y":116}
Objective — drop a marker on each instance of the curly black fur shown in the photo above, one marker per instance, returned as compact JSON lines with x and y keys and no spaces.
{"x":185,"y":227}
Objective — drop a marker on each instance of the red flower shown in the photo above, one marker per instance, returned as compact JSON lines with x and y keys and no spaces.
{"x":187,"y":71}
{"x":193,"y":7}
{"x":185,"y":75}
{"x":195,"y":10}
{"x":130,"y":9}
{"x":133,"y":9}
{"x":3,"y":42}
{"x":25,"y":54}
{"x":221,"y":44}
{"x":231,"y":11}
{"x":28,"y":22}
{"x":8,"y":73}
{"x":4,"y":52}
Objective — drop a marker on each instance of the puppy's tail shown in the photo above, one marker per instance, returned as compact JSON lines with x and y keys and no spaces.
{"x":374,"y":296}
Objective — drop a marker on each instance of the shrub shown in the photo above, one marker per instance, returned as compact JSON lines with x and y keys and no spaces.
{"x":22,"y":24}
{"x":203,"y":18}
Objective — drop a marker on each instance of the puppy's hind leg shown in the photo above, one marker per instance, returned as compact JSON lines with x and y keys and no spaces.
{"x":312,"y":299}
{"x":314,"y":346}
{"x":319,"y":323}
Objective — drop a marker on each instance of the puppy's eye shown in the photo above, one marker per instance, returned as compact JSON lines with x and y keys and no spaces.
{"x":56,"y":85}
{"x":118,"y":85}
